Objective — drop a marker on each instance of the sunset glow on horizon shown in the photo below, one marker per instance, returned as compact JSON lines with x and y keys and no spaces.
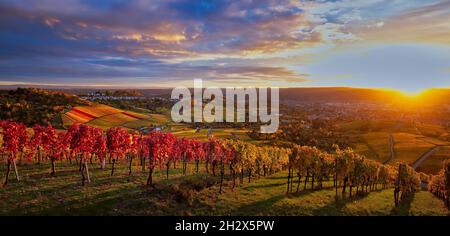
{"x":402,"y":45}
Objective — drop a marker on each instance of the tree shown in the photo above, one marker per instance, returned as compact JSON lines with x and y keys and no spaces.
{"x":82,"y":143}
{"x":439,"y":184}
{"x":13,"y":133}
{"x":100,"y":148}
{"x":407,"y":181}
{"x":159,"y":149}
{"x":118,"y":142}
{"x":52,"y":147}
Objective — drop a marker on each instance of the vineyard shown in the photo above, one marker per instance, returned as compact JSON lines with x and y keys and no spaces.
{"x":232,"y":164}
{"x":440,"y":184}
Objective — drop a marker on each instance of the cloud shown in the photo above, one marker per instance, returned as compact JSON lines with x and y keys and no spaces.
{"x":163,"y":28}
{"x":161,"y":41}
{"x":430,"y":24}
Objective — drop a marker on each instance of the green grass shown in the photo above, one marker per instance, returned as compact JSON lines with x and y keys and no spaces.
{"x":376,"y":146}
{"x":104,"y":124}
{"x":40,"y":194}
{"x":217,"y":133}
{"x":362,"y":126}
{"x":409,"y":147}
{"x":136,"y":124}
{"x":267,"y":197}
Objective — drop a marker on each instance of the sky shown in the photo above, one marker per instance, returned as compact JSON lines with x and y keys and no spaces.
{"x":393,"y":44}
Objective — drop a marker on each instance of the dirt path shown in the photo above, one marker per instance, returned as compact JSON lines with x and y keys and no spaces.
{"x":425,"y":156}
{"x":391,"y":147}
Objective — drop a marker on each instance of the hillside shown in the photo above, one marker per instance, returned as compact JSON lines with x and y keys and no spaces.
{"x":39,"y":194}
{"x":36,"y":106}
{"x":103,"y":116}
{"x":408,"y":142}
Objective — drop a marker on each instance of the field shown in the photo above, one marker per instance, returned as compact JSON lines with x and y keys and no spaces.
{"x":40,"y":194}
{"x":431,"y":130}
{"x":361,"y":126}
{"x":202,"y":134}
{"x":103,"y":116}
{"x":375,"y":146}
{"x":410,"y":142}
{"x":409,"y":147}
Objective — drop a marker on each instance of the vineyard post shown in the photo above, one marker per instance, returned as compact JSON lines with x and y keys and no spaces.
{"x":131,"y":163}
{"x":344,"y":186}
{"x":306,"y":180}
{"x":167,"y":168}
{"x":103,"y":163}
{"x":81,"y":163}
{"x":8,"y":170}
{"x":53,"y":173}
{"x":87,"y":171}
{"x":83,"y":178}
{"x":298,"y":181}
{"x":16,"y":172}
{"x":113,"y":165}
{"x":288,"y":179}
{"x":150,"y":173}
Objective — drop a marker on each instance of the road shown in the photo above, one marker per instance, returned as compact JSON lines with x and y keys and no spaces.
{"x":425,"y":156}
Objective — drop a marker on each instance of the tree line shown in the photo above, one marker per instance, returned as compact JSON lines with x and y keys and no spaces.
{"x":86,"y":145}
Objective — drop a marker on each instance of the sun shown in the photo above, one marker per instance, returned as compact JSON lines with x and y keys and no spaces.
{"x":415,"y":98}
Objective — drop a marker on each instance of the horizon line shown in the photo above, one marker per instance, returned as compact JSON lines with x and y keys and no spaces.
{"x":122,"y":87}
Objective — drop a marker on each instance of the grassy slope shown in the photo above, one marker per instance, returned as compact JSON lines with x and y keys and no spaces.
{"x":375,"y":146}
{"x":39,"y":194}
{"x":267,"y":197}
